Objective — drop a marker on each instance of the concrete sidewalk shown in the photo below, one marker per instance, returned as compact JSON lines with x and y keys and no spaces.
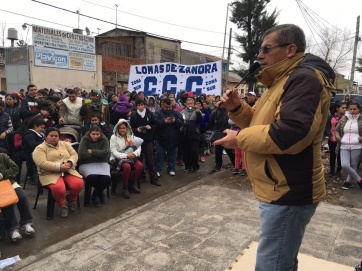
{"x":202,"y":226}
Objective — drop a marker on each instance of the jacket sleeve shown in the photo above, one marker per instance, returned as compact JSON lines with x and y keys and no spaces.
{"x":242,"y":117}
{"x":62,"y":110}
{"x":83,"y":154}
{"x":40,"y":159}
{"x":339,"y":128}
{"x":11,"y":169}
{"x":10,"y":126}
{"x":179,"y":120}
{"x":114,"y":150}
{"x":300,"y":118}
{"x":159,"y":118}
{"x":73,"y":154}
{"x":327,"y":130}
{"x":103,"y":152}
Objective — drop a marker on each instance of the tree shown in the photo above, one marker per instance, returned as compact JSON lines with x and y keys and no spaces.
{"x":334,"y":47}
{"x":359,"y":67}
{"x":251,"y":17}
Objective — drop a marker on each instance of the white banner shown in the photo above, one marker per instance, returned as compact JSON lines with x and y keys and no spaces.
{"x":49,"y":37}
{"x":49,"y":57}
{"x":82,"y":62}
{"x":174,"y":77}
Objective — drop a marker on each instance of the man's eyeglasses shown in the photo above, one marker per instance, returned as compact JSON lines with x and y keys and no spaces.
{"x":266,"y":49}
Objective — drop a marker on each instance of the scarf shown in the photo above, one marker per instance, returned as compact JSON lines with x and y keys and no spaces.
{"x":142,"y":114}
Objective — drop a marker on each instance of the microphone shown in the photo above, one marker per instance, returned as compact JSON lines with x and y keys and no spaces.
{"x":252,"y":69}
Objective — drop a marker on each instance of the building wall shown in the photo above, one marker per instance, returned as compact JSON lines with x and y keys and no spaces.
{"x":154,"y":47}
{"x":192,"y":58}
{"x":44,"y":77}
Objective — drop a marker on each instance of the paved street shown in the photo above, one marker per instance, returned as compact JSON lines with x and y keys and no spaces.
{"x":201,"y":226}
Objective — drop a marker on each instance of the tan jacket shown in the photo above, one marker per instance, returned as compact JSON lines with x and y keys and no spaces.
{"x":283,"y":131}
{"x":48,"y":159}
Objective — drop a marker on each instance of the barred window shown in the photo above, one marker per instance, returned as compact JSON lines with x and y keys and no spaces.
{"x":167,"y":56}
{"x":118,"y":49}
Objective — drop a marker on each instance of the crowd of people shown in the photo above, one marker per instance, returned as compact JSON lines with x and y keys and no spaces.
{"x":344,"y":133}
{"x":125,"y":134}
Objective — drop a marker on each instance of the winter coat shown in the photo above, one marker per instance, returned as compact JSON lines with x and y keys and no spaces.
{"x":168,"y":134}
{"x":100,"y":150}
{"x":137,"y":121}
{"x":341,"y":128}
{"x":29,"y":107}
{"x":281,"y":134}
{"x":192,"y":121}
{"x":48,"y":159}
{"x":118,"y":144}
{"x":29,"y":140}
{"x":8,"y":168}
{"x":14,"y":113}
{"x":122,"y":106}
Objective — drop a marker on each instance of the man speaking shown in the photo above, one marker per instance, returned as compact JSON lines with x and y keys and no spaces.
{"x":281,"y":136}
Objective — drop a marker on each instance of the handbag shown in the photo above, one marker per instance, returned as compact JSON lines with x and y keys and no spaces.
{"x":7,"y":194}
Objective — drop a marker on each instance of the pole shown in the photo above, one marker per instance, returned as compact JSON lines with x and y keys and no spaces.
{"x":78,"y":11}
{"x":116,"y":13}
{"x":223,"y":47}
{"x":354,"y":55}
{"x":227,"y":69}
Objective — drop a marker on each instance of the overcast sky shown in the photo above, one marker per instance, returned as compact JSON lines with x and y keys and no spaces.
{"x":202,"y":21}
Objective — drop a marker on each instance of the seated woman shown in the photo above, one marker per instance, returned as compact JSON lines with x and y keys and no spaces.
{"x":8,"y":170}
{"x":93,"y":160}
{"x":119,"y":143}
{"x":56,"y":161}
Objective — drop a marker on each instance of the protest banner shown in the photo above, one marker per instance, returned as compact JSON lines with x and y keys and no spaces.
{"x":173,"y":77}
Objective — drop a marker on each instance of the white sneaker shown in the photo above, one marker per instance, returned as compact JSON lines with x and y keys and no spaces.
{"x":172,"y":173}
{"x":15,"y":235}
{"x":27,"y":228}
{"x":158,"y":174}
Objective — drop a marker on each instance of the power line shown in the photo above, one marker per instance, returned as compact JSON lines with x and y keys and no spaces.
{"x":134,"y":29}
{"x":198,"y":29}
{"x":35,"y":18}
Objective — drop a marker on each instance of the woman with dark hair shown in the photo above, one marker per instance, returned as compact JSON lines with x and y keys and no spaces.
{"x":56,"y":161}
{"x":338,"y":113}
{"x":349,"y":137}
{"x":93,"y":159}
{"x":121,"y":142}
{"x":13,"y":110}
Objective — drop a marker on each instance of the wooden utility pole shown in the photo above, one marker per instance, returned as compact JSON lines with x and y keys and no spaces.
{"x":354,"y":55}
{"x":228,"y":65}
{"x":223,"y":49}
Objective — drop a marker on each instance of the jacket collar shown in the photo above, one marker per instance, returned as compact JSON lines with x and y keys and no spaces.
{"x":271,"y":75}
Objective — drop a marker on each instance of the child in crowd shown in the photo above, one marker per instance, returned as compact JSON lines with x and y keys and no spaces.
{"x":239,"y":154}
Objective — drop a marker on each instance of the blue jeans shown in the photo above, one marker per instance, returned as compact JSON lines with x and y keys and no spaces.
{"x":282,"y":229}
{"x":160,"y":157}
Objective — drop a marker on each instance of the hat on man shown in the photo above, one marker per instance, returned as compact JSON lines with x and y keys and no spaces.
{"x":251,"y":93}
{"x":57,"y":91}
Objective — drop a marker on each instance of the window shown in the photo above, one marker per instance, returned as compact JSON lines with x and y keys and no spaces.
{"x":167,"y":56}
{"x":118,"y":49}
